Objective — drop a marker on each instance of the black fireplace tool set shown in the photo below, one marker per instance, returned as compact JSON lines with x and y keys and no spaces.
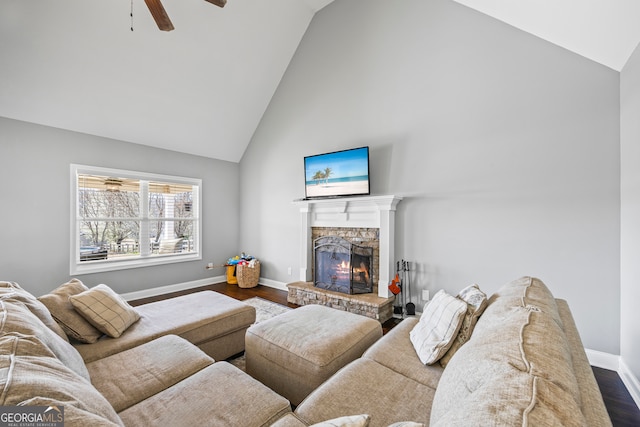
{"x":401,"y":288}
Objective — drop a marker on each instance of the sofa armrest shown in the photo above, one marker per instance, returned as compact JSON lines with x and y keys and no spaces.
{"x":592,"y":405}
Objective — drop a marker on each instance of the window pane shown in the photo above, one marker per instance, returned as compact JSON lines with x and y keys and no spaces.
{"x":108,"y":239}
{"x":108,"y":197}
{"x":180,"y":233}
{"x":168,"y":200}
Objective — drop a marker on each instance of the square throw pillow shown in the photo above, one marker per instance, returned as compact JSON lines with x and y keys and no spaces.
{"x":437,"y":328}
{"x":71,"y":322}
{"x":105,"y":309}
{"x":476,"y":301}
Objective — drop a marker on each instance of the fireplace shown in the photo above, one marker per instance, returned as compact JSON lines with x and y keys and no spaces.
{"x":342,"y":266}
{"x":354,"y":212}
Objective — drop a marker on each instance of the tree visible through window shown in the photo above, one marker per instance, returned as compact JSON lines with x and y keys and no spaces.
{"x":126,"y":219}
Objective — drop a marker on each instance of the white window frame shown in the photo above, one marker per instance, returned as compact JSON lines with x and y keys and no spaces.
{"x":145,"y":259}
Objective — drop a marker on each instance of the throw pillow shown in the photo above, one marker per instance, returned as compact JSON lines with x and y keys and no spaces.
{"x":476,"y":303}
{"x":71,"y":322}
{"x":105,"y":309}
{"x":348,"y":421}
{"x":435,"y":331}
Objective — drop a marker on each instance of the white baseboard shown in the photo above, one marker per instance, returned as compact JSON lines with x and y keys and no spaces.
{"x":630,"y":381}
{"x":130,"y":296}
{"x":603,"y":360}
{"x":273,"y":284}
{"x":616,"y":363}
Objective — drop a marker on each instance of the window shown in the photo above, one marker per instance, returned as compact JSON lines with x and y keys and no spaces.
{"x":123,"y":219}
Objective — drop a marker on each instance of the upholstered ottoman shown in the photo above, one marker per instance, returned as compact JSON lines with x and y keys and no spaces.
{"x":295,"y":352}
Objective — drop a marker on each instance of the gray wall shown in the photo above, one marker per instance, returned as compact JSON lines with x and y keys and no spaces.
{"x":505,"y":148}
{"x":630,"y":236}
{"x":34,"y":194}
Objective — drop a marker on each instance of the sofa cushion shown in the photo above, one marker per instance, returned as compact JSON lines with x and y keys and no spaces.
{"x":525,"y":292}
{"x":438,"y":326}
{"x":365,"y":386}
{"x":407,"y":424}
{"x":476,"y":304}
{"x":516,"y":367}
{"x":218,"y":395}
{"x":72,"y":323}
{"x":204,"y":317}
{"x":289,"y":420}
{"x":396,"y":352}
{"x":150,"y":368}
{"x":16,"y":320}
{"x":107,"y":311}
{"x":346,"y":421}
{"x":31,"y":374}
{"x":74,"y":416}
{"x":35,"y":306}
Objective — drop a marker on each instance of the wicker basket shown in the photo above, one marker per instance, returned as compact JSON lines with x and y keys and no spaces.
{"x":248,"y":276}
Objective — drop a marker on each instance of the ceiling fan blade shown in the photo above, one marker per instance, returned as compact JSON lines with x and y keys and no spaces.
{"x":159,"y":14}
{"x":220,"y":3}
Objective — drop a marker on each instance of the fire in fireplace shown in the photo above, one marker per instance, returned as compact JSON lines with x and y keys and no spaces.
{"x":342,"y":266}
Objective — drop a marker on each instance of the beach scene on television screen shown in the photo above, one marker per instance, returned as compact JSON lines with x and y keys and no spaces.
{"x":337,"y":174}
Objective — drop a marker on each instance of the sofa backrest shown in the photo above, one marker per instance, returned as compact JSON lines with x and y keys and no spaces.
{"x":516,"y":369}
{"x":40,"y":367}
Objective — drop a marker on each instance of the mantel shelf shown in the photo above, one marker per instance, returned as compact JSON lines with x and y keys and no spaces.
{"x":387,"y":202}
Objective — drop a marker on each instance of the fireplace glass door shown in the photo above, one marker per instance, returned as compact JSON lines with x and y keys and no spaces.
{"x":342,"y":266}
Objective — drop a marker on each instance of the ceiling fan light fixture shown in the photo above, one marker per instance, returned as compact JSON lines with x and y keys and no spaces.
{"x":113,"y":184}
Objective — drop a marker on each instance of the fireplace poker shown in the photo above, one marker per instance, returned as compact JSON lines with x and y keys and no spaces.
{"x":411,"y":307}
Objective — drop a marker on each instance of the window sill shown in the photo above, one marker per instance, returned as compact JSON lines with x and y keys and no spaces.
{"x":88,"y":267}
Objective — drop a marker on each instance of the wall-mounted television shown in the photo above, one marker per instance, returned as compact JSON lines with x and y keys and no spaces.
{"x":337,"y":174}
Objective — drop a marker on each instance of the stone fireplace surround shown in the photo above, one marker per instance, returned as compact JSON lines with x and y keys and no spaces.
{"x":365,"y":212}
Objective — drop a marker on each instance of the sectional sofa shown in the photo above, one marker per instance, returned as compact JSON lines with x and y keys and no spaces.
{"x":524,"y":364}
{"x":146,"y":366}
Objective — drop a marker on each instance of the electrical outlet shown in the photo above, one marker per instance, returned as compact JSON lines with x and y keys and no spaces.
{"x":425,"y":295}
{"x":289,"y":271}
{"x":210,"y":266}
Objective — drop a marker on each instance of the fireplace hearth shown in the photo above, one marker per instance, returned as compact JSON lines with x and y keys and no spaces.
{"x":342,"y":266}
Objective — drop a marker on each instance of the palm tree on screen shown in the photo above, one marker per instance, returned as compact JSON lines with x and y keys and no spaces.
{"x":327,"y":174}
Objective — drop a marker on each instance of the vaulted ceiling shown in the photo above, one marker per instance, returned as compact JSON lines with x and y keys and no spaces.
{"x":203,"y":88}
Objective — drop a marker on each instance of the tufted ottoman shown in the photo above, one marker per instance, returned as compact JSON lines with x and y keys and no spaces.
{"x":295,"y":352}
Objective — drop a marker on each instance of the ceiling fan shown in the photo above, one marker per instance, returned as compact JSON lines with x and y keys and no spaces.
{"x":161,"y":17}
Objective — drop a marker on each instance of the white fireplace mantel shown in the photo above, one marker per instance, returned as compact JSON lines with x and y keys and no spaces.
{"x":358,"y":212}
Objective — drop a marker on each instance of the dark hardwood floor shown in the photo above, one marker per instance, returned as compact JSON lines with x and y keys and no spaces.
{"x":620,"y":405}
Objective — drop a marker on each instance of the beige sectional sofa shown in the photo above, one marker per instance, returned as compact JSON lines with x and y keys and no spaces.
{"x":523,"y":365}
{"x":148,"y":376}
